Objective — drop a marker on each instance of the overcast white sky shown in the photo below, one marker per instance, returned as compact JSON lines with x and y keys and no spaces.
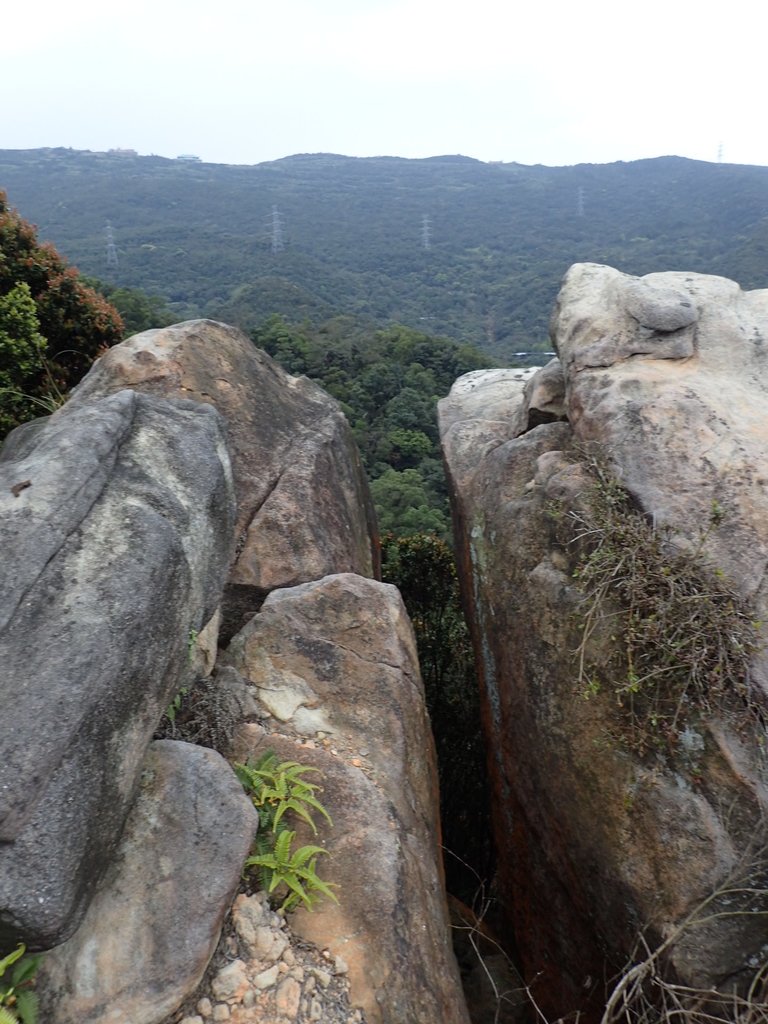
{"x":242,"y":81}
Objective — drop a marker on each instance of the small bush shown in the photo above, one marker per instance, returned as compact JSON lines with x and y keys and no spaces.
{"x":680,"y":637}
{"x":205,"y":713}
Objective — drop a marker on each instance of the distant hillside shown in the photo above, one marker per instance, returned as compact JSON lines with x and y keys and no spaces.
{"x":447,"y":245}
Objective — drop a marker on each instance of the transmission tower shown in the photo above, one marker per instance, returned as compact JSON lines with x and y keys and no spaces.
{"x":426,"y":233}
{"x":720,"y":153}
{"x":112,"y":261}
{"x":277,"y":231}
{"x":580,"y":202}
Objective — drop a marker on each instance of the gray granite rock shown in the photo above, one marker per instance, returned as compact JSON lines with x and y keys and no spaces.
{"x":154,"y":922}
{"x":116,"y":529}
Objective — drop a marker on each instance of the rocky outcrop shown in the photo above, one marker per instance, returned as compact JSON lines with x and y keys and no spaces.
{"x":666,"y":377}
{"x":116,"y":531}
{"x":334,"y":665}
{"x":154,"y":923}
{"x":118,"y":521}
{"x":304,"y":509}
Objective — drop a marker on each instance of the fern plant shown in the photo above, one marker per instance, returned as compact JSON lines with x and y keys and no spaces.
{"x":277,"y":788}
{"x":18,"y":1003}
{"x":296,"y":869}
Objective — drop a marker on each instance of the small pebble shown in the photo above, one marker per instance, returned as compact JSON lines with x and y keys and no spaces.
{"x":315,"y":1010}
{"x":288,"y":997}
{"x":205,"y":1007}
{"x":231,"y":982}
{"x":221,"y":1012}
{"x":267,"y":978}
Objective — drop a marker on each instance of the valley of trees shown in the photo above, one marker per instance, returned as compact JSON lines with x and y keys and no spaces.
{"x":449,"y":245}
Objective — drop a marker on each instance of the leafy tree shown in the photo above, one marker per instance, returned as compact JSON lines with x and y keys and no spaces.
{"x":404,"y":504}
{"x":138,"y":311}
{"x":74,"y":321}
{"x":22,"y":349}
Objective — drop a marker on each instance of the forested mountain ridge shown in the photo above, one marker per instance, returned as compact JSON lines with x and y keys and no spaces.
{"x":449,"y":245}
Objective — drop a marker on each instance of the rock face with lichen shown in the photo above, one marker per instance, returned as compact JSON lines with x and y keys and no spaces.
{"x":601,"y":836}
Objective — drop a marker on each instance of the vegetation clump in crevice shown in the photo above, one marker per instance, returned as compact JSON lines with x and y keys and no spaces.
{"x":678,"y":639}
{"x":278,"y":788}
{"x":204,"y":713}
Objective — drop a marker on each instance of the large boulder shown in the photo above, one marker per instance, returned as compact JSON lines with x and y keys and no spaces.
{"x":116,"y":529}
{"x":304,"y":508}
{"x":134,"y":959}
{"x":334,"y":665}
{"x":663,"y":380}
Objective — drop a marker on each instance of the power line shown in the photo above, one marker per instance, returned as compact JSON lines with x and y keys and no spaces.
{"x":426,"y":233}
{"x":112,"y":260}
{"x":277,"y":231}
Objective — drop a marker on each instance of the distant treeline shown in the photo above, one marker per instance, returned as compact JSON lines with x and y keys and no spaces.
{"x":460,"y":248}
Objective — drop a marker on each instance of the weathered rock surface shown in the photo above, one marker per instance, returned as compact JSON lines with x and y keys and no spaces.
{"x":154,"y":922}
{"x":116,"y":532}
{"x":334,"y":662}
{"x":668,"y":374}
{"x":304,"y":509}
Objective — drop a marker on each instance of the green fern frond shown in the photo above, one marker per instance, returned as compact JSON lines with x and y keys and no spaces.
{"x":27,"y":1006}
{"x":298,"y":807}
{"x":324,"y":888}
{"x":11,"y":958}
{"x":8,"y":1016}
{"x":313,"y":802}
{"x":25,"y":970}
{"x":305,"y":853}
{"x":283,"y":846}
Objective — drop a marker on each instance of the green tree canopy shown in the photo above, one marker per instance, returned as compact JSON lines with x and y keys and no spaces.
{"x":22,"y":349}
{"x":388,"y":383}
{"x":138,"y":310}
